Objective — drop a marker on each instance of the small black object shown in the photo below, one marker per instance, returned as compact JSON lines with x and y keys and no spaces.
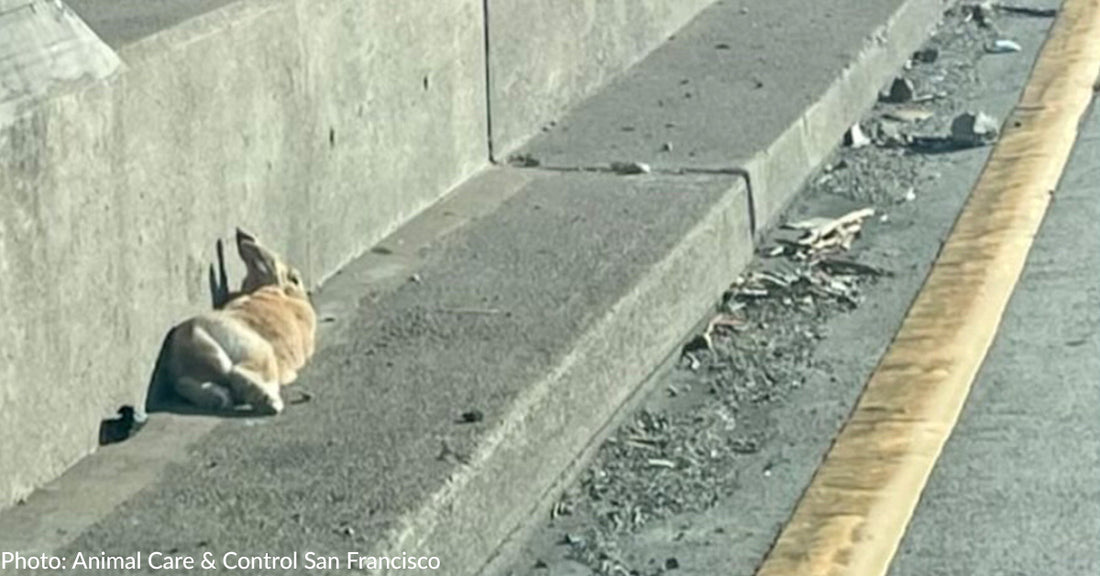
{"x":128,"y":423}
{"x":696,"y":344}
{"x":471,"y":416}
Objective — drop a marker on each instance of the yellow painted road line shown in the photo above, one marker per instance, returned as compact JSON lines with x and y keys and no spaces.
{"x":854,"y":514}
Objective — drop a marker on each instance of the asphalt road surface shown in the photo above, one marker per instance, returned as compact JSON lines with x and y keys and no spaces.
{"x":1017,"y":489}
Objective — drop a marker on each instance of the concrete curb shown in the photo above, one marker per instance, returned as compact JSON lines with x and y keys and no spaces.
{"x":779,"y":171}
{"x":554,"y":420}
{"x":478,"y":503}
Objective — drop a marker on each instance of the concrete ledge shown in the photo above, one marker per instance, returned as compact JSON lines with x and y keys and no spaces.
{"x":769,"y":87}
{"x":323,"y":126}
{"x":630,"y":311}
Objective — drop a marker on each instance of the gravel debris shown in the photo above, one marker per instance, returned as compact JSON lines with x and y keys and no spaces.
{"x":855,"y":138}
{"x":685,"y":449}
{"x":901,"y":91}
{"x":974,"y":129}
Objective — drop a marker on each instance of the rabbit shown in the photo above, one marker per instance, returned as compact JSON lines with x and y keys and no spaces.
{"x":254,"y":342}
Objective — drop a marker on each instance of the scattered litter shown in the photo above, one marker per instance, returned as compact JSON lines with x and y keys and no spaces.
{"x":1003,"y":47}
{"x":572,"y":540}
{"x":909,"y":115}
{"x":855,"y":138}
{"x":415,"y":279}
{"x":628,"y":168}
{"x":700,"y":342}
{"x":929,"y":97}
{"x":844,"y":265}
{"x":678,"y":458}
{"x":705,"y":341}
{"x":666,"y":147}
{"x":725,"y":321}
{"x":926,"y":55}
{"x":888,"y":133}
{"x":910,"y":195}
{"x":981,"y":13}
{"x":826,"y":234}
{"x":562,"y":508}
{"x":774,"y":280}
{"x":731,"y":307}
{"x":808,"y":224}
{"x":303,"y":397}
{"x":974,"y":129}
{"x":472,"y":416}
{"x":884,"y":218}
{"x":753,"y":293}
{"x":901,"y":91}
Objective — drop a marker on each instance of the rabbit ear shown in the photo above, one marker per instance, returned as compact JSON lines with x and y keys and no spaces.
{"x":243,"y":236}
{"x":219,"y":280}
{"x":262,"y":264}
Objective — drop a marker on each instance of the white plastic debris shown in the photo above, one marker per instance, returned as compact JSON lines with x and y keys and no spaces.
{"x":1003,"y":47}
{"x":855,"y":138}
{"x":974,"y":129}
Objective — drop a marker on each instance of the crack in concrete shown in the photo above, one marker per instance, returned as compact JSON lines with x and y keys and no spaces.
{"x":674,"y":171}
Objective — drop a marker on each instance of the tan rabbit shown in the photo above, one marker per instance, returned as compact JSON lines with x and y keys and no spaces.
{"x":243,"y":352}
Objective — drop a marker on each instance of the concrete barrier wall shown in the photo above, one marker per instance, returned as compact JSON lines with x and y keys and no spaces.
{"x":320,"y":125}
{"x":546,"y":55}
{"x":46,"y":49}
